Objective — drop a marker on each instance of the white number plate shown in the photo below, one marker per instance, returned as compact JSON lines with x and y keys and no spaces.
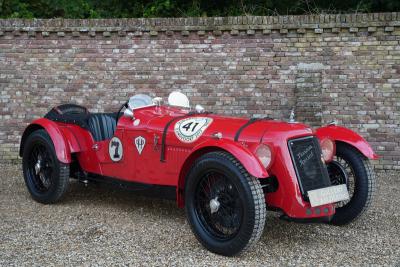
{"x":328,"y":195}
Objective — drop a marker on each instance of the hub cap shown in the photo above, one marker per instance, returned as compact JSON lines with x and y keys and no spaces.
{"x":38,"y":167}
{"x":214,"y":205}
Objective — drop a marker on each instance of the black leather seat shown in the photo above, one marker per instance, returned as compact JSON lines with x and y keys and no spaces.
{"x":102,"y":125}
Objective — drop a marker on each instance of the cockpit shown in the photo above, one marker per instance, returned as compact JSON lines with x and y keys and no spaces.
{"x":102,"y":125}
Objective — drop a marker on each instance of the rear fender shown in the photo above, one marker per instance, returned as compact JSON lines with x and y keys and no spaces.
{"x":61,"y":145}
{"x":241,"y":153}
{"x":342,"y":134}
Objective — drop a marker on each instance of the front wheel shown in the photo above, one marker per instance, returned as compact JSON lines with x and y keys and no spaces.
{"x":352,"y":168}
{"x":45,"y":176}
{"x":225,"y":206}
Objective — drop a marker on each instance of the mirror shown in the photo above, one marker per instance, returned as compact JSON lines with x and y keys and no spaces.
{"x":199,"y":109}
{"x":178,"y":99}
{"x":157,"y":101}
{"x":128,"y":113}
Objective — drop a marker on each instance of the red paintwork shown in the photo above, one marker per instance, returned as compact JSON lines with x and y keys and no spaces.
{"x":243,"y":153}
{"x":147,"y":168}
{"x":346,"y":135}
{"x":61,"y":144}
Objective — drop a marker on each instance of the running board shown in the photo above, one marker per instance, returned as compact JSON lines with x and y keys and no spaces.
{"x":148,"y":190}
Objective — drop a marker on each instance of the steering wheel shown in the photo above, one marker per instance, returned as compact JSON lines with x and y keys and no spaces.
{"x":118,"y":116}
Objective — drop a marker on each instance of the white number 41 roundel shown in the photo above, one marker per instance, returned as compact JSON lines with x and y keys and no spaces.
{"x":190,"y":129}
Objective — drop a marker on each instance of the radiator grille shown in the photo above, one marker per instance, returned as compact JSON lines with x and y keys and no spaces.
{"x":310,"y":170}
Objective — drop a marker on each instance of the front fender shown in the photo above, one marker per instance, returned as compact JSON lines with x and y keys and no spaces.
{"x":241,"y":153}
{"x":61,"y":145}
{"x":338,"y":133}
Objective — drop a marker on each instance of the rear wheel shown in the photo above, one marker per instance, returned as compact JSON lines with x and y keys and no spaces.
{"x":225,"y":206}
{"x":45,"y":176}
{"x":352,"y":168}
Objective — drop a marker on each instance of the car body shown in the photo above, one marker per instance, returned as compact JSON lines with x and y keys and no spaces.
{"x":156,"y":144}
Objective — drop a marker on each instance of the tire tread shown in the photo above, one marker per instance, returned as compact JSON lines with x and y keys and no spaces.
{"x":258,"y":197}
{"x":63,"y":171}
{"x":364,"y":165}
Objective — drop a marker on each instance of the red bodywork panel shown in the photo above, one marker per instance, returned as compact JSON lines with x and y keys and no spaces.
{"x":64,"y":143}
{"x":144,"y":166}
{"x":338,"y":133}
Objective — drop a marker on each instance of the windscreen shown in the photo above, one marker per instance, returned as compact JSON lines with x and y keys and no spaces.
{"x":140,"y":100}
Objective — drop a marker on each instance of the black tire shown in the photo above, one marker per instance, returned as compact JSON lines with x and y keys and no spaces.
{"x":360,"y":179}
{"x":239,"y":220}
{"x":45,"y":176}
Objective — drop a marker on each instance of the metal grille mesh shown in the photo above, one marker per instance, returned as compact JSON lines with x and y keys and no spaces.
{"x":311,"y":171}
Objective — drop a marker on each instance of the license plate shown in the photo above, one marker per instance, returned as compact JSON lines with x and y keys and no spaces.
{"x":328,"y":195}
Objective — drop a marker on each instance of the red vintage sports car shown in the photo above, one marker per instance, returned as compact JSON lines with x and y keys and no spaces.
{"x":225,"y":171}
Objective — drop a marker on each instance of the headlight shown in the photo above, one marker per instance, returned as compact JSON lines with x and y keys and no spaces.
{"x":328,"y":149}
{"x":264,"y":154}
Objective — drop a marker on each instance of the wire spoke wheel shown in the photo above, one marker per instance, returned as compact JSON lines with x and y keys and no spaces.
{"x":45,"y":176}
{"x":218,"y":205}
{"x":40,"y":168}
{"x":352,"y":168}
{"x":341,"y":172}
{"x":224,"y":204}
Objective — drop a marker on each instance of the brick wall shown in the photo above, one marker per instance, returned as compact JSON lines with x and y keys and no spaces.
{"x":343,"y":67}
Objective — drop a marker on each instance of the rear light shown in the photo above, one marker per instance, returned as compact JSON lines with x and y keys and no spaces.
{"x":264,"y":154}
{"x":328,"y":149}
